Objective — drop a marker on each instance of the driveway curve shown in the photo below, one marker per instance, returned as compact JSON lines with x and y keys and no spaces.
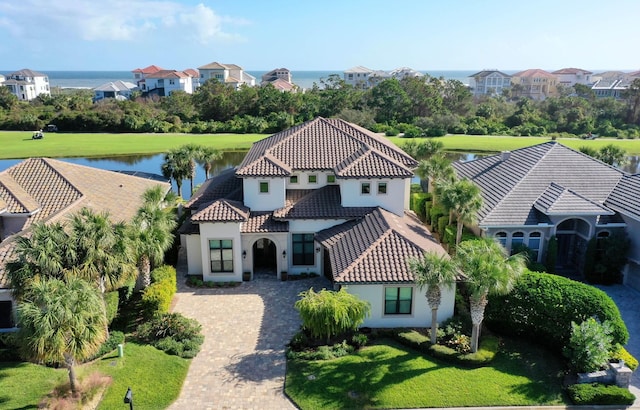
{"x":242,"y":363}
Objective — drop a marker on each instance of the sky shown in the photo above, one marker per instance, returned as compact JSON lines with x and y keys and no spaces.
{"x":86,"y":35}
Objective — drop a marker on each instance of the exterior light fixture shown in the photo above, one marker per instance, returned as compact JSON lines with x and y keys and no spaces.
{"x":244,"y":254}
{"x":284,"y":254}
{"x":128,"y":398}
{"x":318,"y":249}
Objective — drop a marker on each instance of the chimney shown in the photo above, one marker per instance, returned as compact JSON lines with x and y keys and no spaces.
{"x":504,"y":155}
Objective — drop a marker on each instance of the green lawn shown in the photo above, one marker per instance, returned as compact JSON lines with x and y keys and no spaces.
{"x":18,"y":144}
{"x":154,"y":377}
{"x":388,"y":375}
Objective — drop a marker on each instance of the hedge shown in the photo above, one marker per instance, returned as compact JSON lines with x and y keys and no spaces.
{"x":443,"y":222}
{"x":542,"y":306}
{"x":595,"y":393}
{"x":156,"y":298}
{"x":111,"y":300}
{"x":418,"y":203}
{"x":435,"y":213}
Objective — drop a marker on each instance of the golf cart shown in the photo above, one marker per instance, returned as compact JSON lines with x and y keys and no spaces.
{"x":37,"y":135}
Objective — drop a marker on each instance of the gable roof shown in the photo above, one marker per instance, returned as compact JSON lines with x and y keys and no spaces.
{"x":224,"y":185}
{"x":375,"y":249}
{"x":222,"y":210}
{"x":148,"y":70}
{"x":624,"y":197}
{"x":558,"y":200}
{"x":47,"y":190}
{"x":486,"y":73}
{"x":25,"y":72}
{"x":326,"y":144}
{"x":571,"y":70}
{"x":116,"y":86}
{"x":321,"y":203}
{"x":511,"y":187}
{"x":533,"y":73}
{"x":358,"y":69}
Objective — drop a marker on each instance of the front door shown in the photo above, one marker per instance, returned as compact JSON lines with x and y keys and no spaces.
{"x":264,"y":256}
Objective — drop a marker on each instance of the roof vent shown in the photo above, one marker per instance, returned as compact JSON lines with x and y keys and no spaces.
{"x":504,"y":155}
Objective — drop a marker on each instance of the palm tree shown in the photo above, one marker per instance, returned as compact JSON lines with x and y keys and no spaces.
{"x":191,"y":152}
{"x":433,"y":271}
{"x":176,"y":166}
{"x":438,"y":170}
{"x":490,"y":271}
{"x":206,"y":156}
{"x":151,"y":233}
{"x":423,"y":149}
{"x":61,"y":322}
{"x":463,"y":200}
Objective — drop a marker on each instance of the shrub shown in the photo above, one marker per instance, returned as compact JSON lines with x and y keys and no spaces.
{"x":156,"y":298}
{"x":172,"y":333}
{"x":552,"y":255}
{"x":542,"y":307}
{"x":449,"y":235}
{"x":595,"y":393}
{"x":427,"y":212}
{"x":165,"y":272}
{"x":9,"y":347}
{"x":418,"y":203}
{"x":436,"y":212}
{"x":323,"y":352}
{"x":620,"y":353}
{"x":111,"y":300}
{"x":115,"y":338}
{"x":443,"y":221}
{"x":589,"y":346}
{"x":359,"y":340}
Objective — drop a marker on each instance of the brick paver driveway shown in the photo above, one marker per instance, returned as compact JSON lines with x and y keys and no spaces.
{"x":242,"y":363}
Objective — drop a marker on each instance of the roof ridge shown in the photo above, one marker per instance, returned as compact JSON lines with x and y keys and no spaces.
{"x":388,"y":231}
{"x":10,"y":191}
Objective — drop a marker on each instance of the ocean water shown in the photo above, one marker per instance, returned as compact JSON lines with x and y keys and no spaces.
{"x":304,"y":79}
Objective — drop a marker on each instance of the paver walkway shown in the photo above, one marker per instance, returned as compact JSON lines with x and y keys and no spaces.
{"x":242,"y":363}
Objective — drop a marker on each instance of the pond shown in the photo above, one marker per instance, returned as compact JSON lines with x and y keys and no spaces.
{"x":152,"y":164}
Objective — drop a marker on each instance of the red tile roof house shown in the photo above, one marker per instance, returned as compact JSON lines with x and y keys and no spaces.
{"x":325,"y":196}
{"x":534,"y":193}
{"x":49,"y":190}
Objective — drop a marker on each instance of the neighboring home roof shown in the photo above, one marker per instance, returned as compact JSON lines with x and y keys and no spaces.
{"x":47,"y":190}
{"x":359,"y":69}
{"x":375,"y":249}
{"x":148,"y":70}
{"x":222,"y":210}
{"x":617,"y":75}
{"x":280,"y":84}
{"x":405,"y":72}
{"x":624,"y":197}
{"x":533,"y":73}
{"x":510,"y":187}
{"x":486,"y":73}
{"x":116,"y":86}
{"x":322,"y":203}
{"x":168,"y":74}
{"x":192,"y":72}
{"x":25,"y":72}
{"x":571,"y":70}
{"x":219,"y":66}
{"x":326,"y":144}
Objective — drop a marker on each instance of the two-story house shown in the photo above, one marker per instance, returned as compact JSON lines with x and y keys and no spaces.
{"x":535,"y":83}
{"x":230,"y":74}
{"x":325,"y":196}
{"x":358,"y":77}
{"x":165,"y":82}
{"x":27,"y":84}
{"x":280,"y":79}
{"x":489,"y":82}
{"x":568,"y":77}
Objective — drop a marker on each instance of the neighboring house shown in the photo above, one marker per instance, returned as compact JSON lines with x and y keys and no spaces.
{"x":536,"y":84}
{"x":489,"y":82}
{"x":280,"y":78}
{"x":327,"y":197}
{"x":358,"y":77}
{"x":27,"y":84}
{"x":230,"y":74}
{"x":117,"y":89}
{"x":195,"y":77}
{"x":405,"y":72}
{"x":568,"y":77}
{"x":611,"y":87}
{"x":165,"y":82}
{"x":49,"y":190}
{"x":535,"y":193}
{"x":140,"y":74}
{"x":363,"y":78}
{"x":282,"y":85}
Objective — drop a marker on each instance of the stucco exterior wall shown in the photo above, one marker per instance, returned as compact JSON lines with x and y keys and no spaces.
{"x":221,"y":231}
{"x":303,"y":180}
{"x":420,"y":311}
{"x":191,"y":243}
{"x":396,"y":199}
{"x":270,"y":201}
{"x":281,"y":241}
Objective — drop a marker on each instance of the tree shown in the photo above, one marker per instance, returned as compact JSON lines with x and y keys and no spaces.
{"x":151,"y":233}
{"x":7,"y":99}
{"x":326,"y":314}
{"x":176,"y":166}
{"x":61,"y":322}
{"x":490,"y":271}
{"x":632,"y":96}
{"x":422,"y":149}
{"x":206,"y":155}
{"x":464,"y":200}
{"x":590,"y":151}
{"x":191,"y":152}
{"x":612,"y":154}
{"x":436,"y":169}
{"x":431,"y":272}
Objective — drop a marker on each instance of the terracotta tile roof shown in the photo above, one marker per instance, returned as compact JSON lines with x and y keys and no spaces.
{"x":224,"y":185}
{"x":222,"y":210}
{"x":59,"y":189}
{"x":534,"y":73}
{"x":558,"y":200}
{"x":571,"y":70}
{"x":511,"y":187}
{"x":375,"y":248}
{"x":322,"y":203}
{"x":263,"y":222}
{"x":168,"y":74}
{"x":324,"y":144}
{"x":192,"y":72}
{"x":370,"y":164}
{"x":148,"y":70}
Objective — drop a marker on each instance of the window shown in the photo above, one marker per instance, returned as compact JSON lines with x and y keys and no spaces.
{"x":398,"y":301}
{"x":313,"y":179}
{"x":293,"y":179}
{"x":6,"y":314}
{"x":221,"y":254}
{"x":502,"y":238}
{"x":534,"y":245}
{"x":365,"y":188}
{"x":331,"y":179}
{"x":601,"y":240}
{"x":382,"y":187}
{"x":303,"y":249}
{"x":264,"y":187}
{"x":517,"y":239}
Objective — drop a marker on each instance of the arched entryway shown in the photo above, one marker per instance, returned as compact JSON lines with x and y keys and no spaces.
{"x":264,"y":257}
{"x":573,"y":236}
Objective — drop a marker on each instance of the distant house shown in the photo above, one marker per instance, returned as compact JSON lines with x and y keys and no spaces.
{"x":533,"y":194}
{"x":230,"y":74}
{"x":568,"y":77}
{"x":535,"y":83}
{"x":165,"y":82}
{"x":48,"y":190}
{"x":280,"y":78}
{"x":326,"y":196}
{"x":611,"y":87}
{"x":405,"y":72}
{"x":140,"y":74}
{"x":489,"y":82}
{"x":363,"y":78}
{"x":281,"y":85}
{"x":116,"y":89}
{"x":27,"y":84}
{"x":358,"y":77}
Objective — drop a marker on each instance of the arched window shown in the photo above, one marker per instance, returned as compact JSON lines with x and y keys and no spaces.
{"x":534,"y":245}
{"x":502,"y":238}
{"x":517,"y":239}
